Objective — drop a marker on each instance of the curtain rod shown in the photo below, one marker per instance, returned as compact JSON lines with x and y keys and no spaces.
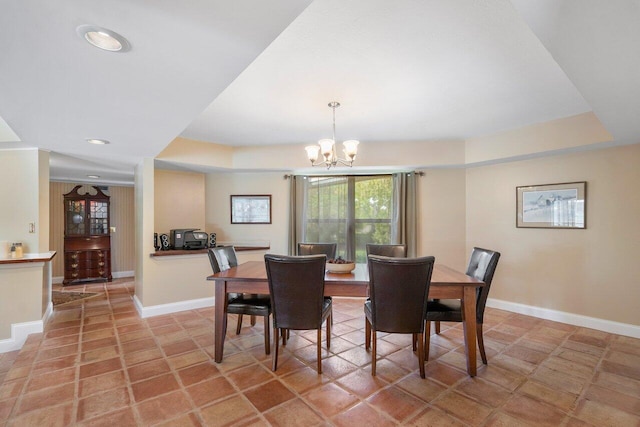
{"x":418,"y":173}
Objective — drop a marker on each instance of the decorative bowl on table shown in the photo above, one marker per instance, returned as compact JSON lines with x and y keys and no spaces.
{"x":340,"y":265}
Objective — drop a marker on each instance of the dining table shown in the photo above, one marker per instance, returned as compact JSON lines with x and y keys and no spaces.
{"x":251,"y":277}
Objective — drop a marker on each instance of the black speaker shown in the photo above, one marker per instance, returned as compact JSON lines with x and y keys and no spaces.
{"x":164,"y":242}
{"x":212,"y":240}
{"x":156,"y":242}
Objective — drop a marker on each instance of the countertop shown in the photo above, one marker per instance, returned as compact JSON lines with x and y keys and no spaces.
{"x":174,"y":252}
{"x":29,"y":257}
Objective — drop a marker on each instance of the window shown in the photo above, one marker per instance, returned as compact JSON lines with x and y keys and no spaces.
{"x":353,"y":210}
{"x":349,"y":210}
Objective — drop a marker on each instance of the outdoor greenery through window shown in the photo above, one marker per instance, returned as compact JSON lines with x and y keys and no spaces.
{"x":349,"y":210}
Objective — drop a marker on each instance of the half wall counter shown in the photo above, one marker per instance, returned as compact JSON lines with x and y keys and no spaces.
{"x":25,"y":284}
{"x":176,"y":280}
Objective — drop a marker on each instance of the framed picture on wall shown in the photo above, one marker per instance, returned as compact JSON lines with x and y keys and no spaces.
{"x":251,"y":209}
{"x":552,"y":205}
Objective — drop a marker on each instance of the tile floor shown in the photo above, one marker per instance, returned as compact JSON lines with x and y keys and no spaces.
{"x":98,"y":363}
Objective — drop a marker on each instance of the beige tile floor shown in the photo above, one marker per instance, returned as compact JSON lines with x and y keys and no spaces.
{"x":98,"y":363}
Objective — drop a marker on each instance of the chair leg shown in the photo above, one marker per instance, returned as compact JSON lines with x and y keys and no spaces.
{"x":427,"y":339}
{"x":319,"y":349}
{"x":413,"y":339}
{"x":285,"y":335}
{"x":437,"y":328}
{"x":329,"y":322}
{"x":481,"y":342}
{"x":421,"y":356}
{"x":267,"y":340}
{"x":367,"y":334}
{"x":274,"y":355}
{"x":239,"y":325}
{"x":374,"y":354}
{"x":253,"y":320}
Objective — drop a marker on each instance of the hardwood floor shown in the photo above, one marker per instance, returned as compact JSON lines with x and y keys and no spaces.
{"x":98,"y":363}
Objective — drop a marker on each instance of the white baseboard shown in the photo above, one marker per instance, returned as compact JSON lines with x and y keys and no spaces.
{"x":116,"y":275}
{"x":570,"y":318}
{"x":19,"y":334}
{"x":121,"y":274}
{"x":174,"y":307}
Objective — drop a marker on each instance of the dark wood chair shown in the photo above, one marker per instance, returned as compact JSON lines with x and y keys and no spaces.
{"x":223,"y":258}
{"x":296,"y":286}
{"x":395,"y":251}
{"x":329,"y":249}
{"x":482,"y":266}
{"x":398,"y":289}
{"x":389,"y":250}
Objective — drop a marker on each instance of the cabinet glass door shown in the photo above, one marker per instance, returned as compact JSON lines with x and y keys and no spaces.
{"x":75,"y":217}
{"x":99,"y":217}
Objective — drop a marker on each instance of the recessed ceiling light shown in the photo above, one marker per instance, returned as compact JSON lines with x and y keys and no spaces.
{"x":98,"y":141}
{"x":103,"y":38}
{"x":93,"y":176}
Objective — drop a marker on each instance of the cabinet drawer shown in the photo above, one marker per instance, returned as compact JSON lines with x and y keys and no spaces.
{"x":76,"y":256}
{"x":87,"y":273}
{"x":82,"y":264}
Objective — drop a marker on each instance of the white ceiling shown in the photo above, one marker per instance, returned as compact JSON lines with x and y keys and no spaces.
{"x":253,"y":72}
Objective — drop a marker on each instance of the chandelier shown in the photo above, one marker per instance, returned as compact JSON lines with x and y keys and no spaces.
{"x":328,"y":148}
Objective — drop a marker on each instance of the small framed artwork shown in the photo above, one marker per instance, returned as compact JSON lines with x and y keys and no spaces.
{"x":552,"y":205}
{"x":252,"y":209}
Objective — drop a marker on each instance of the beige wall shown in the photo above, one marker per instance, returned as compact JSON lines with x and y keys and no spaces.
{"x":20,"y":194}
{"x":441,"y":216}
{"x":404,"y":154}
{"x":122,"y":214}
{"x":587,"y":272}
{"x":24,"y":284}
{"x":168,"y":281}
{"x":179,"y":200}
{"x":192,"y":152}
{"x":25,"y":287}
{"x":556,"y":135}
{"x":219,"y":188}
{"x":143,"y":194}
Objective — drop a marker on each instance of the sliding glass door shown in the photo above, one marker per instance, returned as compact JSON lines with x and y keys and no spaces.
{"x":349,"y":210}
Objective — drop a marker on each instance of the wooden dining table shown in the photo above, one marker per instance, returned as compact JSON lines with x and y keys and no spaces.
{"x":251,"y":277}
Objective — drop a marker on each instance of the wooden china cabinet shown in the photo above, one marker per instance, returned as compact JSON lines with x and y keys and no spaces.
{"x":87,"y":243}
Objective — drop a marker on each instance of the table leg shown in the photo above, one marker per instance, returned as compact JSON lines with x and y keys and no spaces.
{"x":469,"y":325}
{"x":220,"y":327}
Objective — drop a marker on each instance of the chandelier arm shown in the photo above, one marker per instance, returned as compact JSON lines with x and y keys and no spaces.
{"x":345,"y":162}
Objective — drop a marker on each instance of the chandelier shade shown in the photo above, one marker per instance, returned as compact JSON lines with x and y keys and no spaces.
{"x":327,"y":148}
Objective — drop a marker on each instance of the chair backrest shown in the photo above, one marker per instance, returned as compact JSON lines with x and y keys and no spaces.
{"x":296,"y":286}
{"x":482,"y":266}
{"x":395,"y":251}
{"x":399,"y":288}
{"x":222,"y":258}
{"x":329,"y":249}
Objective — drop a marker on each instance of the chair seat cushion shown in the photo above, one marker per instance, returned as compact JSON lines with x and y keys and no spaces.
{"x":255,"y":305}
{"x":445,"y":310}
